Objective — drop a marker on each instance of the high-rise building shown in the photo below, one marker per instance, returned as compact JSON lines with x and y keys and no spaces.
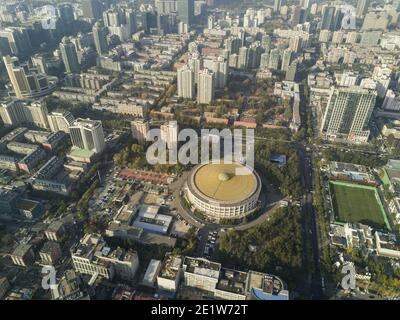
{"x":130,"y":17}
{"x":264,"y":61}
{"x":254,"y":55}
{"x":139,"y":129}
{"x":15,"y":113}
{"x":185,"y":10}
{"x":113,"y":17}
{"x":274,"y":59}
{"x":295,"y":43}
{"x":169,"y":134}
{"x":69,"y":56}
{"x":243,"y":59}
{"x":233,"y":44}
{"x":205,"y":90}
{"x":66,"y":13}
{"x":219,"y":66}
{"x":362,"y":8}
{"x":306,"y":4}
{"x":348,"y":113}
{"x":36,"y":114}
{"x":182,"y":28}
{"x":298,"y":16}
{"x":87,"y":134}
{"x":195,"y":63}
{"x":328,"y":14}
{"x":291,"y":71}
{"x":91,"y":9}
{"x":396,"y":4}
{"x":266,"y":42}
{"x":60,"y":121}
{"x":286,"y":59}
{"x":100,"y":38}
{"x":211,"y":22}
{"x":185,"y":80}
{"x":27,"y":83}
{"x":166,"y":6}
{"x":277,"y":6}
{"x":16,"y":41}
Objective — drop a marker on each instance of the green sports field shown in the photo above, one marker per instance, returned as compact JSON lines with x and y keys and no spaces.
{"x":355,"y":203}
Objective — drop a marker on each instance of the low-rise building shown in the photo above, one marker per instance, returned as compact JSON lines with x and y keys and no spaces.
{"x":4,"y":286}
{"x":201,"y":273}
{"x":263,"y":286}
{"x":170,"y":274}
{"x":387,"y":245}
{"x":70,"y":287}
{"x":231,"y":285}
{"x":93,"y":256}
{"x":151,"y":273}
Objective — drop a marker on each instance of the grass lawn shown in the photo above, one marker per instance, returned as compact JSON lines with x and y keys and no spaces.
{"x":357,"y":204}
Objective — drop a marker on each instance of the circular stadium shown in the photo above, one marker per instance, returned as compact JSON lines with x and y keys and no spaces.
{"x":219,"y":192}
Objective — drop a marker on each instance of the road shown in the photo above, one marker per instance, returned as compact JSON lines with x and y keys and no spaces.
{"x":310,"y":225}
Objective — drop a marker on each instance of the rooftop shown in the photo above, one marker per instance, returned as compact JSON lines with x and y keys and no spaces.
{"x":171,"y":266}
{"x":202,"y":266}
{"x":221,"y":182}
{"x":232,"y":281}
{"x":21,"y":249}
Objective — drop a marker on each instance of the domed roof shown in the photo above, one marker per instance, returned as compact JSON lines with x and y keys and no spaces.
{"x":222,"y":182}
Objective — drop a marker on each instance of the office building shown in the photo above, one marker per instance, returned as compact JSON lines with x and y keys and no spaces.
{"x":206,"y":86}
{"x":69,"y":55}
{"x":348,"y":113}
{"x":185,"y":81}
{"x":100,"y":38}
{"x":88,"y":135}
